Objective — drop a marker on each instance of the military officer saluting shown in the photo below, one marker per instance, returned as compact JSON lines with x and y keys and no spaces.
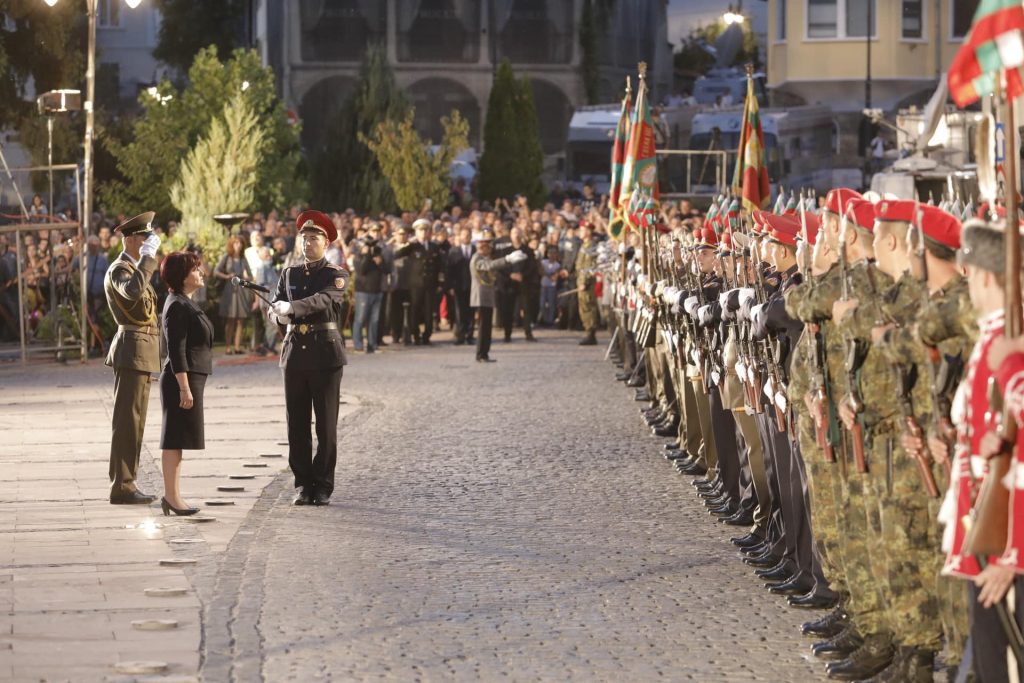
{"x":134,"y":352}
{"x":308,"y":306}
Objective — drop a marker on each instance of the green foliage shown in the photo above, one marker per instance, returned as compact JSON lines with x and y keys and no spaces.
{"x":692,"y":57}
{"x":512,"y":160}
{"x":218,"y":176}
{"x":345,"y":172}
{"x":187,"y":26}
{"x":413,"y":171}
{"x":173,"y":122}
{"x":588,"y":49}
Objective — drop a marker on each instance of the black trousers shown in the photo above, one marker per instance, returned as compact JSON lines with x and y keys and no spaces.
{"x":463,"y":315}
{"x":988,"y":640}
{"x":724,"y":426}
{"x":507,"y":307}
{"x":396,"y":312}
{"x":417,"y":312}
{"x":309,"y":392}
{"x":529,"y":304}
{"x":483,"y":337}
{"x":429,"y":309}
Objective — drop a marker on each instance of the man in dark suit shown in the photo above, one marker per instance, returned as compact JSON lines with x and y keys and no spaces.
{"x":134,"y":352}
{"x":308,"y":306}
{"x":460,"y":283}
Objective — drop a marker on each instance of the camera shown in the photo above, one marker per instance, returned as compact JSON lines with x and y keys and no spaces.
{"x":371,"y":247}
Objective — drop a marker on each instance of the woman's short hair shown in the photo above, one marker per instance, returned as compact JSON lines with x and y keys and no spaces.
{"x":177,"y":266}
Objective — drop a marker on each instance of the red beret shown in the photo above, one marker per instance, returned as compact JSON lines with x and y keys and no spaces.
{"x":783,"y":229}
{"x":707,"y":239}
{"x":813,"y":226}
{"x":725,"y":245}
{"x":897,"y":210}
{"x":757,"y":220}
{"x":310,"y":219}
{"x":941,"y":226}
{"x":862,"y":213}
{"x":837,"y":199}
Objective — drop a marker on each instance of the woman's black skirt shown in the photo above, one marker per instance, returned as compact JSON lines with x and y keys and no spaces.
{"x":183,"y":429}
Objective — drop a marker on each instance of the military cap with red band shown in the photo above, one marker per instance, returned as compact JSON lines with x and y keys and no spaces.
{"x":782,"y":229}
{"x":311,"y":219}
{"x":936,"y":224}
{"x":861,"y":213}
{"x":707,"y":239}
{"x":839,"y":198}
{"x":813,"y":227}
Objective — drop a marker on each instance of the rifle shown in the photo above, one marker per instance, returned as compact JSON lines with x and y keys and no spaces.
{"x":768,"y":356}
{"x":816,"y":347}
{"x":855,"y":354}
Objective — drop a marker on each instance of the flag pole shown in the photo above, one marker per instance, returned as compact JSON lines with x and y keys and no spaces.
{"x":1012,"y":269}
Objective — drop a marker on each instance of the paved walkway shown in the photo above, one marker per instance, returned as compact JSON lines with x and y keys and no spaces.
{"x":509,"y":521}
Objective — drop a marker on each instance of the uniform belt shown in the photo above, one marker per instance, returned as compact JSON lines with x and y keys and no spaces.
{"x":144,"y":329}
{"x":303,"y":328}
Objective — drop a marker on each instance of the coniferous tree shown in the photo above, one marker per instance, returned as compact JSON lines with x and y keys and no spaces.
{"x":346,"y":173}
{"x":187,"y":26}
{"x":512,"y":160}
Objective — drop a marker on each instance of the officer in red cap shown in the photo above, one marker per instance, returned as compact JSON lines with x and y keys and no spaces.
{"x":307,"y":306}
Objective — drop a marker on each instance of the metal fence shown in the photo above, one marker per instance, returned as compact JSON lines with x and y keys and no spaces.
{"x":692,"y":174}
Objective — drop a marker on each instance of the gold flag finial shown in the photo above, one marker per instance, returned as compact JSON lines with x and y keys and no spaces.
{"x":750,"y":68}
{"x":629,"y":86}
{"x":642,"y":68}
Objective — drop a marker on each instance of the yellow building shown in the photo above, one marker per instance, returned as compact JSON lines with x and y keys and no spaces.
{"x":818,"y":49}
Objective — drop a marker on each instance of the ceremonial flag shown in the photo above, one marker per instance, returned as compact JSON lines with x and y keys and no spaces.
{"x":791,"y":206}
{"x":993,"y":45}
{"x":641,"y":168}
{"x":734,"y":214}
{"x":750,"y":179}
{"x":780,"y":203}
{"x":616,"y":196}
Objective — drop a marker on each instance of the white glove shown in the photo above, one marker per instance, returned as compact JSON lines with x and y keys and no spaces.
{"x":769,"y":391}
{"x":704,"y":314}
{"x":755,"y":312}
{"x":741,"y":370}
{"x":723,"y":299}
{"x":690,"y":306}
{"x":150,"y":246}
{"x":747,"y":296}
{"x":282,"y":309}
{"x":275,"y":319}
{"x":715,"y":377}
{"x":660,"y":289}
{"x":515,"y":257}
{"x":676,"y":309}
{"x":780,"y":401}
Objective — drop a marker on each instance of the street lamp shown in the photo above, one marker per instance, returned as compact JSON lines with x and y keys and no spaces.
{"x":731,"y":18}
{"x":88,"y":105}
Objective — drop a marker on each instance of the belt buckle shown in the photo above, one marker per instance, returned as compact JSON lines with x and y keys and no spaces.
{"x":304,"y":328}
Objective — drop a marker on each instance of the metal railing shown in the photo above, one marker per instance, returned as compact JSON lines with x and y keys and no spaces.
{"x":689,"y":173}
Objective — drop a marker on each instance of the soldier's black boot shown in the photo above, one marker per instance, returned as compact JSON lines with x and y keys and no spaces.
{"x":868,"y":660}
{"x":590,"y":339}
{"x":830,"y":625}
{"x":840,"y":646}
{"x":910,"y":665}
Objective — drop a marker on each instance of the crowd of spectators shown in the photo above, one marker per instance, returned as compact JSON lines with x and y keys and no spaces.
{"x":410,"y":270}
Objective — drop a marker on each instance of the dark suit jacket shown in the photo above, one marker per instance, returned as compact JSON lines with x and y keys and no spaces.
{"x":458,"y":277}
{"x":189,"y":336}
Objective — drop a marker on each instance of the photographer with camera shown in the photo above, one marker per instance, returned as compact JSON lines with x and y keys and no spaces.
{"x":371,"y":274}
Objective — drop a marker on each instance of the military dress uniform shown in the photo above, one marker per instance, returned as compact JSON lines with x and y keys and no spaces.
{"x":312,"y":360}
{"x":586,"y":261}
{"x":134,"y":354}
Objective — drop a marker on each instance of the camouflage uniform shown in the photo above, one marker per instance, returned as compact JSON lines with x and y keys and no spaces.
{"x":586,"y":260}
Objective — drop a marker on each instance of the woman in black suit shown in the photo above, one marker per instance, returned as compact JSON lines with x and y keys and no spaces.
{"x":189,"y":338}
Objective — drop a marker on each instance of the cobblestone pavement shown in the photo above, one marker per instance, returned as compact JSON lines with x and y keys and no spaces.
{"x":511,"y":521}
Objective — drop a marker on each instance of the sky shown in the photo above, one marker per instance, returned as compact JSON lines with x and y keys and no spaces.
{"x":686,"y":14}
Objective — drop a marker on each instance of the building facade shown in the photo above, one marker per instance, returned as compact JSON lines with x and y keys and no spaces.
{"x":444,"y":54}
{"x":125,"y":40}
{"x":818,"y":49}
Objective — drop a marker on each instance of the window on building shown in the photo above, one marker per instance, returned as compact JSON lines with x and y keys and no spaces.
{"x":340,"y":30}
{"x":780,"y":20}
{"x":841,"y":18}
{"x":108,"y":13}
{"x":534,"y":31}
{"x":963,"y":15}
{"x":438,"y":31}
{"x":913,"y":19}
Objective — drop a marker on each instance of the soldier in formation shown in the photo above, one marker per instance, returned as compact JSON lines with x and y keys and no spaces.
{"x":823,"y":376}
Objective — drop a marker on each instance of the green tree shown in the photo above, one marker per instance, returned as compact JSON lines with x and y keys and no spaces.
{"x":694,"y":53}
{"x":345,"y":172}
{"x":588,"y":50}
{"x":512,"y":160}
{"x":219,"y":175}
{"x":414,"y":170}
{"x":172,"y":122}
{"x":187,"y":26}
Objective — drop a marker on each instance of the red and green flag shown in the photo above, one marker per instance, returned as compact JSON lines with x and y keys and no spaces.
{"x":750,"y":180}
{"x":640,"y":169}
{"x":993,"y":46}
{"x":616,"y":196}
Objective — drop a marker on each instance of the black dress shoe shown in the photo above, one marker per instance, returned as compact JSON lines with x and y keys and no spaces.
{"x":167,"y":509}
{"x":829,"y":626}
{"x":131,"y":498}
{"x":677,"y":456}
{"x":664,"y":431}
{"x":839,"y":647}
{"x":321,"y":498}
{"x":741,"y":518}
{"x":696,"y":469}
{"x":755,"y":550}
{"x":748,"y":541}
{"x":762,"y":561}
{"x":635,"y":382}
{"x":792,"y":587}
{"x":780,"y":573}
{"x":304,"y":497}
{"x":722,"y":510}
{"x":674,"y":446}
{"x":486,"y":359}
{"x":622,"y":376}
{"x":813,"y":601}
{"x":642,"y":396}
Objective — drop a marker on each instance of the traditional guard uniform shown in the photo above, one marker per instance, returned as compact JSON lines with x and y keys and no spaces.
{"x":312,"y":359}
{"x":134,"y":354}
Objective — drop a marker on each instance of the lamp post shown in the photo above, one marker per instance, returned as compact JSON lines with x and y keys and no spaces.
{"x":89,"y":106}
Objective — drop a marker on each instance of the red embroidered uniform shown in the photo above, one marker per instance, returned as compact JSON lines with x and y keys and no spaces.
{"x":1010,"y":378}
{"x":971,"y":404}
